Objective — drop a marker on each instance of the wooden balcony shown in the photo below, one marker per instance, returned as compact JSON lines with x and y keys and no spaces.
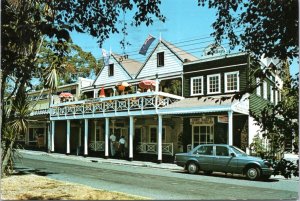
{"x":123,"y":105}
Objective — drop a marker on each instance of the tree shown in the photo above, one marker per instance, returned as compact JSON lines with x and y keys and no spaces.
{"x":259,"y":26}
{"x":27,"y":23}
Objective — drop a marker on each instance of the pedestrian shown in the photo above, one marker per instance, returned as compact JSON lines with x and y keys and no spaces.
{"x":122,"y":146}
{"x":113,"y":142}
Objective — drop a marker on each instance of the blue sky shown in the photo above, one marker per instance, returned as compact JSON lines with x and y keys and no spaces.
{"x":188,"y":26}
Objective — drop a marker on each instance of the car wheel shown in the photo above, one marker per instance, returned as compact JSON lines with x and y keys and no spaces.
{"x":208,"y":172}
{"x":192,"y":168}
{"x":253,"y":173}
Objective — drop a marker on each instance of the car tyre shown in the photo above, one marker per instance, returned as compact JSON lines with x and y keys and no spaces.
{"x":253,"y":173}
{"x":192,"y":168}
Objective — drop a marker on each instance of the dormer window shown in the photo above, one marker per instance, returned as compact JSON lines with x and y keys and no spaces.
{"x":160,"y":59}
{"x":111,"y":70}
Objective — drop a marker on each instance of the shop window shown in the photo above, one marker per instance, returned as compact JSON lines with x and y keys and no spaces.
{"x":111,"y":70}
{"x":232,"y":82}
{"x":197,"y":86}
{"x":213,"y":84}
{"x":160,"y":59}
{"x":34,"y":133}
{"x":202,"y":134}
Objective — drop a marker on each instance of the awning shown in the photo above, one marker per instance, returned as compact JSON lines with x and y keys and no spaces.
{"x":102,"y":93}
{"x":147,"y":84}
{"x":65,"y":95}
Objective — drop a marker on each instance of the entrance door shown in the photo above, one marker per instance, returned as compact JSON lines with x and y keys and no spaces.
{"x":202,"y":134}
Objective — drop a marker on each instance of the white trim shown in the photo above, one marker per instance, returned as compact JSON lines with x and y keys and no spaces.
{"x":238,"y":81}
{"x":271,"y":94}
{"x":265,"y":90}
{"x":219,"y":82}
{"x":276,"y":97}
{"x":196,"y":71}
{"x":258,"y":89}
{"x":192,"y":85}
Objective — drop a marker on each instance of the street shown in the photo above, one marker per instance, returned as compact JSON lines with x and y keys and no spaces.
{"x":157,"y":183}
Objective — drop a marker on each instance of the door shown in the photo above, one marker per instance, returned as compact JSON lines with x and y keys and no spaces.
{"x":223,"y":161}
{"x":202,"y":134}
{"x":205,"y":157}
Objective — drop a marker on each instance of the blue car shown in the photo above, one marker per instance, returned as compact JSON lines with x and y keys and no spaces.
{"x":223,"y":158}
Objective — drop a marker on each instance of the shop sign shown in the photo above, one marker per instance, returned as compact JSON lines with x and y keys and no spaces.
{"x":202,"y":120}
{"x":223,"y":119}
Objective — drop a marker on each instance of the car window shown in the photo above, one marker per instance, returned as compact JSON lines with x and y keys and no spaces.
{"x":222,"y":151}
{"x":205,"y":150}
{"x":238,"y":151}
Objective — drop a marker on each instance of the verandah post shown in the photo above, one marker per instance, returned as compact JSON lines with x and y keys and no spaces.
{"x":159,"y":139}
{"x":106,"y":136}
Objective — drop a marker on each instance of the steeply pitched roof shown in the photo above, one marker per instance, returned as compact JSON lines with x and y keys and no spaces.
{"x":130,"y":65}
{"x":183,"y":55}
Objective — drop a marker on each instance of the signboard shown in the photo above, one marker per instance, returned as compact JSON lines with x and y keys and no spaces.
{"x":222,"y":119}
{"x":202,"y":120}
{"x":213,"y":50}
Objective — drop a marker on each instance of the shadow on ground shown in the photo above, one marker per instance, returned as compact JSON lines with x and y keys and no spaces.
{"x":25,"y":171}
{"x":228,"y":175}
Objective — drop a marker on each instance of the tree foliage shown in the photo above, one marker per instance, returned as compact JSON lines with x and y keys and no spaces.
{"x":258,"y":26}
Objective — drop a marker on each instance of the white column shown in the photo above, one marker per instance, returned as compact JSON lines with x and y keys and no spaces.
{"x":106,"y":136}
{"x":68,"y":136}
{"x":159,"y":139}
{"x":79,"y":136}
{"x":131,"y":133}
{"x":52,"y":135}
{"x":230,"y":126}
{"x":49,"y":136}
{"x":86,"y":130}
{"x":156,"y":85}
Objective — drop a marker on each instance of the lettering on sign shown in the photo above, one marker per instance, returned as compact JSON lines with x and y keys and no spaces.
{"x":223,"y":119}
{"x":202,"y":120}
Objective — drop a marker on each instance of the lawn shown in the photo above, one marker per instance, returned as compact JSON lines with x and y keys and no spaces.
{"x":34,"y":187}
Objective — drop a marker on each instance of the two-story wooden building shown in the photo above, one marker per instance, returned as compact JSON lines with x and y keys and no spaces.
{"x":198,"y":109}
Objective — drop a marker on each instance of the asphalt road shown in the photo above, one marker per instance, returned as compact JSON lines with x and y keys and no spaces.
{"x":156,"y":183}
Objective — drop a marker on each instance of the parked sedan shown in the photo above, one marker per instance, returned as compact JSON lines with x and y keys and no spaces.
{"x":223,"y":158}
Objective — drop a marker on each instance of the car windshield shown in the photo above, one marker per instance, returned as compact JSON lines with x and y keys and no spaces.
{"x":238,"y":151}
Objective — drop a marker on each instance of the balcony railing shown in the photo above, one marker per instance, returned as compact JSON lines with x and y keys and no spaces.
{"x":151,"y":148}
{"x":129,"y":102}
{"x":39,"y":112}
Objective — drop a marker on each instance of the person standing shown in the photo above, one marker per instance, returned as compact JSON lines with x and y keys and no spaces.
{"x":112,"y":138}
{"x":122,"y":146}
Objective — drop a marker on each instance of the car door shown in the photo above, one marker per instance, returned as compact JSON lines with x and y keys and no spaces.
{"x":204,"y":155}
{"x":223,"y":161}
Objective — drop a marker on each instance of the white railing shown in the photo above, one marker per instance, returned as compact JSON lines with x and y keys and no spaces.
{"x":97,"y":145}
{"x":129,"y":102}
{"x":39,"y":112}
{"x":167,"y":148}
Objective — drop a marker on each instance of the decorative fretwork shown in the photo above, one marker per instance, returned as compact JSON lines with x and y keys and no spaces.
{"x":129,"y":102}
{"x":151,"y":148}
{"x":97,"y":145}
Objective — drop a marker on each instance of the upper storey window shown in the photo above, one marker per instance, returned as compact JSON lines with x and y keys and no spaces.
{"x":232,"y":82}
{"x":197,"y":86}
{"x":160,"y":59}
{"x":213,"y":84}
{"x":111,"y":70}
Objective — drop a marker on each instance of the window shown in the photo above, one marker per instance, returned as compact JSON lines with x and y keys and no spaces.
{"x":197,"y":86}
{"x":160,"y":59}
{"x":222,"y":151}
{"x":271,"y":94}
{"x":205,"y":150}
{"x":213,"y":84}
{"x":265,"y":89}
{"x":111,"y":70}
{"x":232,"y":82}
{"x":258,"y":89}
